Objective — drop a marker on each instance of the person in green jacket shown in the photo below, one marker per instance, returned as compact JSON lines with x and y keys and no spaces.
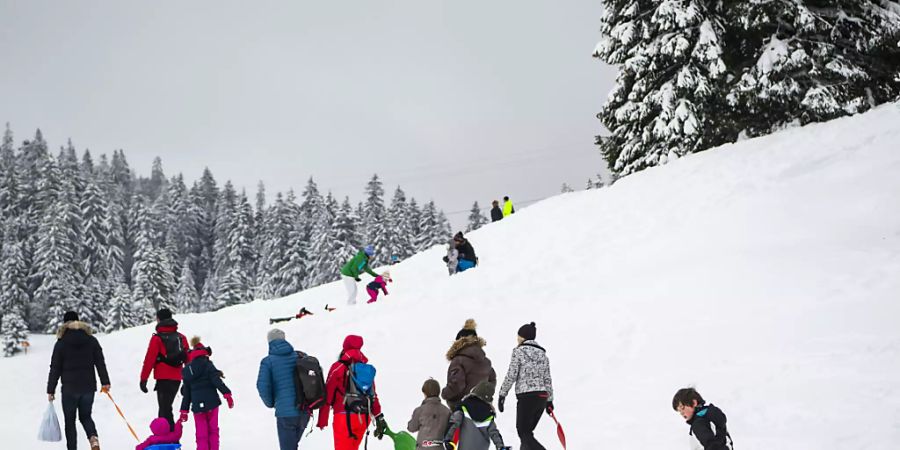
{"x":508,"y":207}
{"x":354,"y":268}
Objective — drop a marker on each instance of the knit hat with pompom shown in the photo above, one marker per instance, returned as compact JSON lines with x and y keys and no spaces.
{"x":468,"y":329}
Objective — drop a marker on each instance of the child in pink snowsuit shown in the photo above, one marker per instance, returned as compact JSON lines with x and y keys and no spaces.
{"x":379,"y":283}
{"x":202,"y":384}
{"x":162,"y":434}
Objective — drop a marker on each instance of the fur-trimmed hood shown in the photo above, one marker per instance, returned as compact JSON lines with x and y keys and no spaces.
{"x":464,"y":342}
{"x":74,"y":325}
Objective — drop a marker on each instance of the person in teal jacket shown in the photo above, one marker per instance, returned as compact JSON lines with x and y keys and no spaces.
{"x":354,"y":268}
{"x":275,"y":385}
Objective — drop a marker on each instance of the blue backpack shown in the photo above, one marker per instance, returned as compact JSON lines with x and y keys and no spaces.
{"x":360,"y":388}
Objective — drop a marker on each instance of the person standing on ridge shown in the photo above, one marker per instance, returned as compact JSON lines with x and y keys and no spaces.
{"x":166,"y":356}
{"x":354,"y":268}
{"x":529,"y":370}
{"x":508,"y":207}
{"x":75,"y":356}
{"x":496,"y":212}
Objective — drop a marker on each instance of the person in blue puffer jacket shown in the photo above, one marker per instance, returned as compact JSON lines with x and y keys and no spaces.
{"x":275,"y":384}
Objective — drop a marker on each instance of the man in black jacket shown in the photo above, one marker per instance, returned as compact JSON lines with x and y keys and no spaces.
{"x":75,"y":356}
{"x":496,"y":212}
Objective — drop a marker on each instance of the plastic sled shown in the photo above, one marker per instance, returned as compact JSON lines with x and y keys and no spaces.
{"x":165,"y":447}
{"x":402,"y":440}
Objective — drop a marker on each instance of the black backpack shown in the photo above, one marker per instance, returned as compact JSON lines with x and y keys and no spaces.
{"x":175,"y":353}
{"x":309,"y":382}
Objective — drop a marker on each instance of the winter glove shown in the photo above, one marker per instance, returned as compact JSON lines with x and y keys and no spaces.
{"x":357,"y":279}
{"x":448,"y":445}
{"x":323,"y":420}
{"x":230,"y":400}
{"x":183,"y":417}
{"x":380,"y":426}
{"x":104,"y":389}
{"x":144,"y":386}
{"x":550,"y":407}
{"x":500,"y":402}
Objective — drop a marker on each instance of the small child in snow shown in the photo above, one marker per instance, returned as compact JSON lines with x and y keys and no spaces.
{"x":201,"y":381}
{"x":430,"y":419}
{"x":707,"y":422}
{"x":162,"y":434}
{"x":474,"y":418}
{"x":452,"y":258}
{"x":380,"y":283}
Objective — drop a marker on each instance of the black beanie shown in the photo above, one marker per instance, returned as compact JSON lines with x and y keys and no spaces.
{"x":528,"y":332}
{"x":70,"y":316}
{"x":164,"y":314}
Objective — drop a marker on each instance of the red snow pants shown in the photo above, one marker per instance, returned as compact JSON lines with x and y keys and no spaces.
{"x":358,"y":424}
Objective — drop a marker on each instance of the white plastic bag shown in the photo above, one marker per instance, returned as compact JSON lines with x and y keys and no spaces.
{"x":49,"y":431}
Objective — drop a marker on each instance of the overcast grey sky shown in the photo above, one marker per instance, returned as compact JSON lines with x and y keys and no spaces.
{"x":454,"y":100}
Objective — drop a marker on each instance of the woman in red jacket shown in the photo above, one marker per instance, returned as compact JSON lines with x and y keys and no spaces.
{"x":349,"y":426}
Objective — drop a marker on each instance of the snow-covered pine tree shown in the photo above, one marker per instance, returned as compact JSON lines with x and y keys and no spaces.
{"x":476,"y":218}
{"x":432,"y":231}
{"x":187,"y":299}
{"x":566,"y":188}
{"x":94,"y":216}
{"x":346,"y":237}
{"x":413,"y":217}
{"x":122,"y":312}
{"x":13,"y":296}
{"x":667,"y":97}
{"x":55,"y":261}
{"x":273,"y":237}
{"x":154,"y":284}
{"x":235,"y":287}
{"x":374,"y":219}
{"x":813,"y":60}
{"x":323,"y":268}
{"x":444,"y":230}
{"x":401,"y":240}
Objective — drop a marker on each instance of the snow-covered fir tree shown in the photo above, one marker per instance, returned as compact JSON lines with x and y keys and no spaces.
{"x":235,"y":287}
{"x":187,"y":299}
{"x":813,"y":60}
{"x":434,"y":228}
{"x":667,"y":95}
{"x":401,"y":240}
{"x":13,"y":296}
{"x":476,"y":218}
{"x":154,"y":284}
{"x":565,"y":188}
{"x":374,"y":220}
{"x":122,"y":313}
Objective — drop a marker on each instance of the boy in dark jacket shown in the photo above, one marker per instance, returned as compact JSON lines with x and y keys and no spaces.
{"x":474,"y":418}
{"x":75,"y":356}
{"x":201,"y":381}
{"x":496,"y":212}
{"x":707,"y":421}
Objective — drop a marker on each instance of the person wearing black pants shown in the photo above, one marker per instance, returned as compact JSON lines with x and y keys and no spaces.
{"x":75,"y":357}
{"x":166,"y":390}
{"x":529,"y":370}
{"x":529,"y":409}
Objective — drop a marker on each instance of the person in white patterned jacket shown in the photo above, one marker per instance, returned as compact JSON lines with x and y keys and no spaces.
{"x":529,"y":370}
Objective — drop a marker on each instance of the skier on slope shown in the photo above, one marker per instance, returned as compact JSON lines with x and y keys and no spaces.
{"x":354,"y":268}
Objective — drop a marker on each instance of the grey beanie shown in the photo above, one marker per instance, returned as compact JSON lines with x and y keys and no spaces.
{"x":274,"y":334}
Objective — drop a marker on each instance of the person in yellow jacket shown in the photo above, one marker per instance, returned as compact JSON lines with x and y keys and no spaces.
{"x":508,"y":207}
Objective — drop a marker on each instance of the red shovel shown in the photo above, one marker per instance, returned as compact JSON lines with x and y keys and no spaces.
{"x":559,"y":431}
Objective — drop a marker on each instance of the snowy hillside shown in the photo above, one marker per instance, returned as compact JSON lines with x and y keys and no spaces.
{"x":766,"y":273}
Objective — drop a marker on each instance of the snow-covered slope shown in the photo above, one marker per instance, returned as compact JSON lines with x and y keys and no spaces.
{"x":767,"y":273}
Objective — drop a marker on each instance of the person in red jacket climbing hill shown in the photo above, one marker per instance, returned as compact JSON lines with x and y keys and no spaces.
{"x":353,"y":404}
{"x":166,"y":356}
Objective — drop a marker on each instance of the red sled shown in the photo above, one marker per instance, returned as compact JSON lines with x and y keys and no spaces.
{"x":559,"y":431}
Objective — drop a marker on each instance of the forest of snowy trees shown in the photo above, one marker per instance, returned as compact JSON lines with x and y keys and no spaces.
{"x":91,"y":236}
{"x":694,"y":74}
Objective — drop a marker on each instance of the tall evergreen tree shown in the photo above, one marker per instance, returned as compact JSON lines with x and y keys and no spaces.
{"x":667,"y":95}
{"x":13,"y":296}
{"x":154,"y":283}
{"x":401,"y":240}
{"x":122,"y":313}
{"x":476,"y":218}
{"x":374,"y":219}
{"x":187,"y":299}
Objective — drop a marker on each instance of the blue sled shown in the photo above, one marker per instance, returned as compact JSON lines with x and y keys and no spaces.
{"x":165,"y":447}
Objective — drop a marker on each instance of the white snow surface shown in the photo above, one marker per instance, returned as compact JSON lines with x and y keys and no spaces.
{"x":766,"y":273}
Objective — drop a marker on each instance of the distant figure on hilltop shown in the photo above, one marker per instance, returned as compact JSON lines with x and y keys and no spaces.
{"x":496,"y":212}
{"x":508,"y":207}
{"x":466,"y":258}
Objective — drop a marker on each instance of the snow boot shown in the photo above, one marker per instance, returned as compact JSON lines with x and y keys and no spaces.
{"x":95,"y":443}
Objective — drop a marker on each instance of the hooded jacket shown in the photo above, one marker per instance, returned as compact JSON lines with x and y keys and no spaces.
{"x":337,"y":380}
{"x":708,"y":426}
{"x":75,"y":357}
{"x":430,"y":420}
{"x":275,"y":382}
{"x":466,"y":251}
{"x":529,"y":370}
{"x":162,"y":434}
{"x":161,"y":370}
{"x":468,"y":366}
{"x":201,"y":381}
{"x":496,"y":214}
{"x":357,"y":265}
{"x":475,"y":420}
